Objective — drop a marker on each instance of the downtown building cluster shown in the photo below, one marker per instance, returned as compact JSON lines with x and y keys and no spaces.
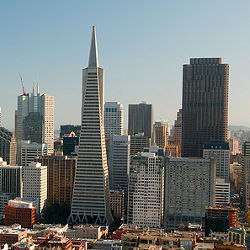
{"x":151,"y":175}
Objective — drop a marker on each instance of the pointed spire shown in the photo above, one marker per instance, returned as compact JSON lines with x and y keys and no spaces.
{"x":33,"y":87}
{"x":93,"y":55}
{"x":37,"y":90}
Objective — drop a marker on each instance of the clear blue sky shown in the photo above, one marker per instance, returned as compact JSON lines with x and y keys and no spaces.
{"x":142,"y":46}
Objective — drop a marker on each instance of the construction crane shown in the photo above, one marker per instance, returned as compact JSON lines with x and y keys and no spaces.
{"x":24,"y":93}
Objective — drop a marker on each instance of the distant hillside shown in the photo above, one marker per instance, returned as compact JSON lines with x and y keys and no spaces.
{"x":235,"y":127}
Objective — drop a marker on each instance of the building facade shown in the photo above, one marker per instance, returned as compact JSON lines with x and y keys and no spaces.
{"x":67,"y":129}
{"x":177,"y":130}
{"x":145,"y":199}
{"x":222,"y":192}
{"x":10,"y":179}
{"x":220,"y":219}
{"x":8,"y":146}
{"x":204,"y":104}
{"x":33,"y":127}
{"x":234,"y":146}
{"x":113,"y":119}
{"x":61,"y":175}
{"x":221,"y":152}
{"x":119,"y":163}
{"x":138,"y":142}
{"x":117,"y":203}
{"x":36,"y":111}
{"x":29,"y":151}
{"x":90,"y":202}
{"x":37,"y":188}
{"x":140,"y":119}
{"x":189,"y":187}
{"x":4,"y":198}
{"x":70,"y":144}
{"x":161,"y":133}
{"x":246,"y":179}
{"x":173,"y":149}
{"x":20,"y":212}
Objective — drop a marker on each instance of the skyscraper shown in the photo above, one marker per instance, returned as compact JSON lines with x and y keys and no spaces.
{"x":113,"y":119}
{"x":246,"y":178}
{"x":161,"y":133}
{"x":37,"y":188}
{"x":35,"y":118}
{"x":10,"y":179}
{"x":140,"y":119}
{"x":0,"y":117}
{"x":119,"y":163}
{"x":189,"y":187}
{"x":90,"y":202}
{"x":221,"y":152}
{"x":8,"y":146}
{"x":29,"y":151}
{"x":61,"y":175}
{"x":145,"y":200}
{"x":204,"y":104}
{"x":177,"y":130}
{"x":33,"y":127}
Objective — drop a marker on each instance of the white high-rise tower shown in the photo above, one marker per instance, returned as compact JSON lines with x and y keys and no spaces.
{"x":41,"y":125}
{"x":90,"y":202}
{"x":113,"y":119}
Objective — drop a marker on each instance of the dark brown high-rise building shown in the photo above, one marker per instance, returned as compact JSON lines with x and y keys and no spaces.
{"x":140,"y":119}
{"x":61,"y":175}
{"x":204,"y":104}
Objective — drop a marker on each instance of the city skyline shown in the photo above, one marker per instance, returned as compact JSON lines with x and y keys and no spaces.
{"x":52,"y":50}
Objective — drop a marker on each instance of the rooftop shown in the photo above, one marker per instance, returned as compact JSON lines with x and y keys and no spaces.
{"x":20,"y":203}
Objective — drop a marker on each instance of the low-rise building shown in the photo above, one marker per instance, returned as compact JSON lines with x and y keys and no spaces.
{"x":237,"y":235}
{"x":21,"y":212}
{"x":85,"y":232}
{"x":10,"y":235}
{"x":219,"y":219}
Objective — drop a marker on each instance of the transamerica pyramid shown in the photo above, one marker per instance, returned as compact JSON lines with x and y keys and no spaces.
{"x":90,"y":201}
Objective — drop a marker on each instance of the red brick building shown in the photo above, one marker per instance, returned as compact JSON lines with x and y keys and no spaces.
{"x":20,"y":212}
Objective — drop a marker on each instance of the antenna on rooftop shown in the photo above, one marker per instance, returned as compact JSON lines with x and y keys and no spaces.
{"x":24,"y":93}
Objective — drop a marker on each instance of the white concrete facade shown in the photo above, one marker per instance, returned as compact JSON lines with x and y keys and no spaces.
{"x":113,"y":119}
{"x":35,"y":183}
{"x":222,"y":193}
{"x":222,"y":153}
{"x":145,"y":191}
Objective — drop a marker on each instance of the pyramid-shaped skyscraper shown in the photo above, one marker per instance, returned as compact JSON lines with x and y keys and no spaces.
{"x":90,"y":201}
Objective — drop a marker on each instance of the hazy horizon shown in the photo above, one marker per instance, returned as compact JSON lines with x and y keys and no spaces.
{"x":142,"y":46}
